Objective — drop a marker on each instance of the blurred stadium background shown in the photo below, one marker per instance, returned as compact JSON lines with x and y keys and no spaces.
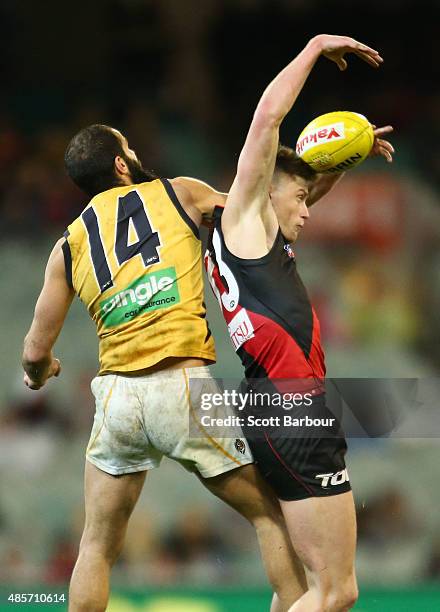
{"x":181,"y":78}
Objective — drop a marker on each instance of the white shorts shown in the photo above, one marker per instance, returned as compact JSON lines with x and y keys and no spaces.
{"x":139,"y":419}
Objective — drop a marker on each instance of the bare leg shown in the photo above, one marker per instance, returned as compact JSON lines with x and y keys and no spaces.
{"x":323,"y":533}
{"x":109,"y":502}
{"x":245,"y":490}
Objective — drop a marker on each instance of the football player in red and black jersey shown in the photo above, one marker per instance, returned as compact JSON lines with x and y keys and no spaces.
{"x":275,"y":330}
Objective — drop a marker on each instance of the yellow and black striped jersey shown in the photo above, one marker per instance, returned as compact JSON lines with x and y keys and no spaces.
{"x":134,"y":259}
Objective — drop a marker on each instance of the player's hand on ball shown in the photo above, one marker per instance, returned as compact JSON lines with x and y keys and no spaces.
{"x":54,"y":370}
{"x":335,"y":47}
{"x":381,"y":146}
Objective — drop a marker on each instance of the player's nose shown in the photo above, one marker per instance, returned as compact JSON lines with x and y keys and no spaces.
{"x":304,"y":211}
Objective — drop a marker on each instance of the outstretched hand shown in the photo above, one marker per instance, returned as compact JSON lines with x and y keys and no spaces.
{"x":381,"y":146}
{"x":335,"y":47}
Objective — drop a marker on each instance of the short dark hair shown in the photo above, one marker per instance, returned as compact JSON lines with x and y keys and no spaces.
{"x":288,"y":162}
{"x":90,"y":158}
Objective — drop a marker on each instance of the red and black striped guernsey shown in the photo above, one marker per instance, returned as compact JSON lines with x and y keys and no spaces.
{"x":271,"y":322}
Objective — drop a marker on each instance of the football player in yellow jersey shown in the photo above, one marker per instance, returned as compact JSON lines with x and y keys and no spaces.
{"x":134,"y":258}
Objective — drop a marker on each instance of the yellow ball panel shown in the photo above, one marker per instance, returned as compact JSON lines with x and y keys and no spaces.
{"x":335,"y":142}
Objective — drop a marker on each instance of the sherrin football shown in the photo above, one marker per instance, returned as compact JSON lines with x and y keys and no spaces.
{"x":335,"y":142}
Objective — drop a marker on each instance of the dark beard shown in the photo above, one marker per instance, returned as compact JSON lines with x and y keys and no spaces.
{"x":138,"y":173}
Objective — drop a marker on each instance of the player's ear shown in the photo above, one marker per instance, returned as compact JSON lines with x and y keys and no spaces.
{"x":120,"y":165}
{"x":274,"y":183}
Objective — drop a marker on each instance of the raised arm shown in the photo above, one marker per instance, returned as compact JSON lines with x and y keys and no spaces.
{"x":51,"y":309}
{"x":249,"y":192}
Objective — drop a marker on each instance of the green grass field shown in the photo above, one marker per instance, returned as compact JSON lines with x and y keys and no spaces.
{"x":423,"y":599}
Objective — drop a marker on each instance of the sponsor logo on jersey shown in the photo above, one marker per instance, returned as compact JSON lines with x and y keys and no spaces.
{"x":328,"y":133}
{"x":289,"y":251}
{"x":240,"y":445}
{"x":150,"y":292}
{"x":240,"y":328}
{"x":333,"y":478}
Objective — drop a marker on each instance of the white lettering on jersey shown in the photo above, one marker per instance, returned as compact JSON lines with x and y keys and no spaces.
{"x":230,"y":299}
{"x":335,"y":478}
{"x":209,"y":271}
{"x":240,"y":329}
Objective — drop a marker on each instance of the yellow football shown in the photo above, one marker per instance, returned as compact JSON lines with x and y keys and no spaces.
{"x":335,"y":142}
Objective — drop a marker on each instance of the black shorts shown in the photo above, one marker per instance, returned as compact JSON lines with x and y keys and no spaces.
{"x":304,"y":461}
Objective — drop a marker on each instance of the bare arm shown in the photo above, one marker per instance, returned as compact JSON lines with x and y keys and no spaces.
{"x":198,"y":198}
{"x":249,"y":192}
{"x":50,"y":311}
{"x":323,"y":183}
